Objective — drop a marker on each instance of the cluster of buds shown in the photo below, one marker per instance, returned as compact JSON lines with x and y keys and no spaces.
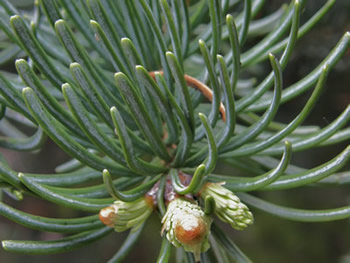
{"x":187,"y":226}
{"x":124,"y":215}
{"x":228,"y":207}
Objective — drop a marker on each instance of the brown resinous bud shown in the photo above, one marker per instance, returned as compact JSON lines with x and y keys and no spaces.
{"x":186,"y":225}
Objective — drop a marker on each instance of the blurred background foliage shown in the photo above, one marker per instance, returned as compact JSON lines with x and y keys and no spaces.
{"x":270,"y":239}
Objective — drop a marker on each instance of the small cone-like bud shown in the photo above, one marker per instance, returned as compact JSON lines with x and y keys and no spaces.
{"x":187,"y":226}
{"x":124,"y":215}
{"x":228,"y":207}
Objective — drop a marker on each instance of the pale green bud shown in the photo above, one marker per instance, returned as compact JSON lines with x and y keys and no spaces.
{"x":124,"y":215}
{"x":228,"y":207}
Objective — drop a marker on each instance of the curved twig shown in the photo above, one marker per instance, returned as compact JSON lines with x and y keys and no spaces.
{"x":200,"y":86}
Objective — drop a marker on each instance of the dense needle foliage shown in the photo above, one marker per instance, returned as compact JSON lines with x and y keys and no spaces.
{"x":149,"y":98}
